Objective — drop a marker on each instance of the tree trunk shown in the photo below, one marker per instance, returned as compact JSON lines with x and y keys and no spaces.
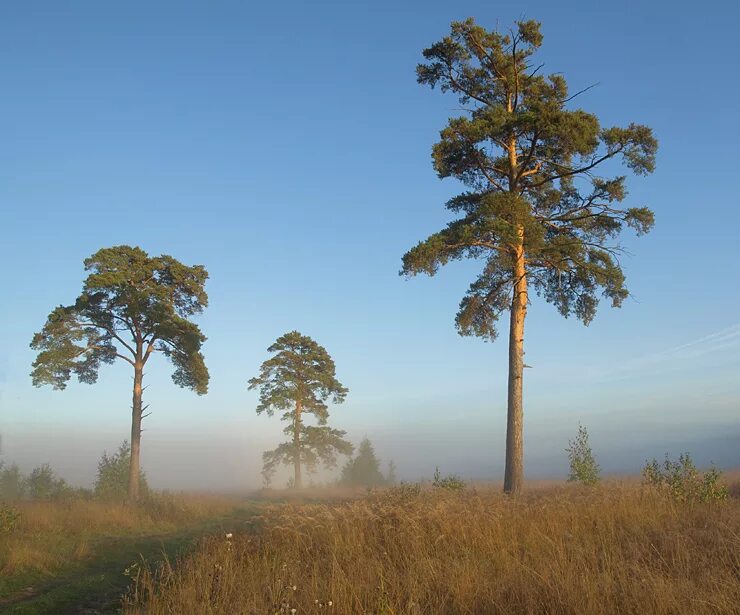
{"x":297,"y":480}
{"x":133,"y":473}
{"x":514,"y":473}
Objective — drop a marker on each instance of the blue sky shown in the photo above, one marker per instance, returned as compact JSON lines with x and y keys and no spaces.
{"x":286,"y":147}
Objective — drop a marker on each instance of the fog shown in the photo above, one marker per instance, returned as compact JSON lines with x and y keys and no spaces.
{"x":229,"y":458}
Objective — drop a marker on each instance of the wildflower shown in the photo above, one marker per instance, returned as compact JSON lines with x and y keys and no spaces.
{"x":229,"y":536}
{"x":294,"y":588}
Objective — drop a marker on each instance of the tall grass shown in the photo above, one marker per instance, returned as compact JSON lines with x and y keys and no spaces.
{"x":50,"y":534}
{"x":612,"y":549}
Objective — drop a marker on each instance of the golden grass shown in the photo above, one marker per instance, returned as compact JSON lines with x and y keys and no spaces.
{"x":614,"y":549}
{"x":51,"y":534}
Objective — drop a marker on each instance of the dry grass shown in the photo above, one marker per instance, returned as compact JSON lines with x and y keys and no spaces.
{"x":54,"y":533}
{"x":615,"y":549}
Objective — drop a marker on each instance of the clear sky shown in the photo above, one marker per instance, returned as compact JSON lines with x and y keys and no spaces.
{"x":286,"y":147}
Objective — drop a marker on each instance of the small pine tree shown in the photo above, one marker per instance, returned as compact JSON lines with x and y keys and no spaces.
{"x":364,"y":469}
{"x":113,"y":475}
{"x":391,"y":478}
{"x":583,"y":466}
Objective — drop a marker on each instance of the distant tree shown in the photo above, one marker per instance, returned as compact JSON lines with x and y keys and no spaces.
{"x":12,"y":482}
{"x":112,"y":480}
{"x":583,"y":466}
{"x":364,"y":469}
{"x":534,"y":212}
{"x":299,"y":379}
{"x":131,"y":306}
{"x":43,"y":484}
{"x":390,"y":477}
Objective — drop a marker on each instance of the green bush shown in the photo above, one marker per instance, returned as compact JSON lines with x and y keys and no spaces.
{"x":583,"y":466}
{"x":113,"y":470}
{"x":452,"y":482}
{"x":43,"y":484}
{"x":683,"y":482}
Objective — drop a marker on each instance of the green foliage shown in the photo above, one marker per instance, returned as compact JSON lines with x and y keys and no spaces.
{"x":43,"y":484}
{"x":131,"y":306}
{"x":364,"y":469}
{"x":300,"y":378}
{"x":9,"y":518}
{"x":683,"y":482}
{"x":583,"y":466}
{"x":451,"y":482}
{"x":113,"y":472}
{"x":527,"y":158}
{"x":12,"y":483}
{"x":300,"y":371}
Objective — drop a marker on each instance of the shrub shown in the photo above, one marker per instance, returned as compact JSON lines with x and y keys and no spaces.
{"x":113,"y":470}
{"x":451,"y":482}
{"x":583,"y":466}
{"x":42,"y":484}
{"x":12,"y":483}
{"x":9,"y":518}
{"x":683,"y":482}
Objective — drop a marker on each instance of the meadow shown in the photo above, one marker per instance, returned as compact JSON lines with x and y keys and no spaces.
{"x":619,"y":547}
{"x":60,"y":554}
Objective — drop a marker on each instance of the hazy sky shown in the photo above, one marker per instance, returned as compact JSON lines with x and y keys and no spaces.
{"x":286,"y":147}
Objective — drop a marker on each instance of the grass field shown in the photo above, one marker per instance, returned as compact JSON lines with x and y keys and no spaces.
{"x":62,"y":555}
{"x":618,"y":548}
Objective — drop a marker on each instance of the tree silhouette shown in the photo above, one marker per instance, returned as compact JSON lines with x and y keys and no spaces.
{"x":299,"y":379}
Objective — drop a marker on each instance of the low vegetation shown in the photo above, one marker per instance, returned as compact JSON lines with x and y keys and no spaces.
{"x":682,"y":481}
{"x":610,"y":549}
{"x":43,"y":536}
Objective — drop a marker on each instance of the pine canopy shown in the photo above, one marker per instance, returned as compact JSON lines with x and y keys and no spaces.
{"x":131,"y":306}
{"x":528,"y":159}
{"x":300,"y":378}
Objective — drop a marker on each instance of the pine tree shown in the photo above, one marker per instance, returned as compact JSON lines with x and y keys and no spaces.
{"x":299,"y":379}
{"x":535,"y":212}
{"x":364,"y":469}
{"x":391,"y":478}
{"x":132,"y":305}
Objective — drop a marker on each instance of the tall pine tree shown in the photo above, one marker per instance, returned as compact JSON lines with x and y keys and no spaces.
{"x":132,"y":306}
{"x":299,"y":379}
{"x":535,"y":212}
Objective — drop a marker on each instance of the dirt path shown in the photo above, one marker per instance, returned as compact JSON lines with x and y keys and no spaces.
{"x":95,"y":586}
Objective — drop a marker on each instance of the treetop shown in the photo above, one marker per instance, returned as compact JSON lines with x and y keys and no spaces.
{"x":131,"y":305}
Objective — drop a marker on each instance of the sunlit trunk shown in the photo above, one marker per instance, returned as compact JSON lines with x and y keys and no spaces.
{"x":298,"y":480}
{"x":133,"y":475}
{"x":514,"y":473}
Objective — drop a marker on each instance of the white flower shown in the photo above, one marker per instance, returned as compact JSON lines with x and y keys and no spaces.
{"x":229,"y":536}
